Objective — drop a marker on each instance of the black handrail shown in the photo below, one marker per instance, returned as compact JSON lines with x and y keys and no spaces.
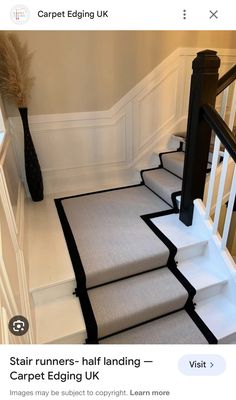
{"x":226,"y":80}
{"x":202,"y":119}
{"x":204,"y":83}
{"x":221,"y":129}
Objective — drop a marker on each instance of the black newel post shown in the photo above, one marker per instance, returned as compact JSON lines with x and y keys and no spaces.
{"x":32,"y":167}
{"x":203,"y":91}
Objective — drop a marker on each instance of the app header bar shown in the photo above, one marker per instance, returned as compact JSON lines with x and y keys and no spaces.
{"x":118,"y":15}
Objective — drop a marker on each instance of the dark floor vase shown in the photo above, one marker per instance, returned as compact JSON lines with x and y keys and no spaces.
{"x":32,"y":168}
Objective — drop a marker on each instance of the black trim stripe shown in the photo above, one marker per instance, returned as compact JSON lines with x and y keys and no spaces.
{"x":71,"y":244}
{"x":210,"y":337}
{"x":171,"y":264}
{"x":82,"y":291}
{"x":147,"y":219}
{"x":100,"y":191}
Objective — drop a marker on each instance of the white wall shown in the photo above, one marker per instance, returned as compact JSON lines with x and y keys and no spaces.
{"x":89,"y":150}
{"x":81,"y":71}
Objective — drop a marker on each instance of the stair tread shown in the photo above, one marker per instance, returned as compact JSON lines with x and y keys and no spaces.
{"x":56,"y":320}
{"x":174,"y":162}
{"x":180,"y":234}
{"x":126,"y":303}
{"x":177,"y":328}
{"x":113,"y":241}
{"x":219,"y":314}
{"x":200,"y":273}
{"x":163,"y":183}
{"x":46,"y":249}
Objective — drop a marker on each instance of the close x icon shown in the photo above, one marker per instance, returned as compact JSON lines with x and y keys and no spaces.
{"x":213,"y":14}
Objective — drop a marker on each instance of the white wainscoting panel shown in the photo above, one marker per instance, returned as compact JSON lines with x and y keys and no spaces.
{"x":154,"y":109}
{"x":90,"y":150}
{"x":13,"y":279}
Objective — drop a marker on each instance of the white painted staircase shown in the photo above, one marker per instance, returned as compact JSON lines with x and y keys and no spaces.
{"x":213,"y":279}
{"x":58,"y":314}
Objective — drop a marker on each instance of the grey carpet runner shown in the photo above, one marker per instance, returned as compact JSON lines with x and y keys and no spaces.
{"x":176,"y":328}
{"x":128,"y":284}
{"x":112,"y":239}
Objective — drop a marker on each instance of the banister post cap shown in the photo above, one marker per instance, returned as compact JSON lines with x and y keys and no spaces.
{"x":206,"y":61}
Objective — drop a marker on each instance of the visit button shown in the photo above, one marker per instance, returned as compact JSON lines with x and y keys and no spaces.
{"x":202,"y":364}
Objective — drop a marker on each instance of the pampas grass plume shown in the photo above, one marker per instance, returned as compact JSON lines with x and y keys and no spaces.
{"x":15,"y":79}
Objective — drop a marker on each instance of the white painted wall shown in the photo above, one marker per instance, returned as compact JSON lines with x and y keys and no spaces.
{"x":84,"y":150}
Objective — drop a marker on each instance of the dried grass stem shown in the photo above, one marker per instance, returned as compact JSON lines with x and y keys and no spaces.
{"x":15,"y":79}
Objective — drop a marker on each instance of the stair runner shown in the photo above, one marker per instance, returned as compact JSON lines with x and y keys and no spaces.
{"x":128,"y":283}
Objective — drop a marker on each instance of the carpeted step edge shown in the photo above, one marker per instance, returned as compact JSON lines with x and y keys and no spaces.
{"x":176,"y":328}
{"x":163,"y":183}
{"x":123,"y":304}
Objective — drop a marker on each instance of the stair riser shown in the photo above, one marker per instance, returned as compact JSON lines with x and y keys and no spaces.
{"x":152,"y":312}
{"x":160,"y":191}
{"x":54,"y":292}
{"x":163,"y":183}
{"x":230,"y":339}
{"x":191,"y":251}
{"x":76,"y":338}
{"x":210,"y":291}
{"x":174,"y":166}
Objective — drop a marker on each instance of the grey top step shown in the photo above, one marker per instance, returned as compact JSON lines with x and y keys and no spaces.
{"x":177,"y":328}
{"x":126,"y":303}
{"x":163,"y":183}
